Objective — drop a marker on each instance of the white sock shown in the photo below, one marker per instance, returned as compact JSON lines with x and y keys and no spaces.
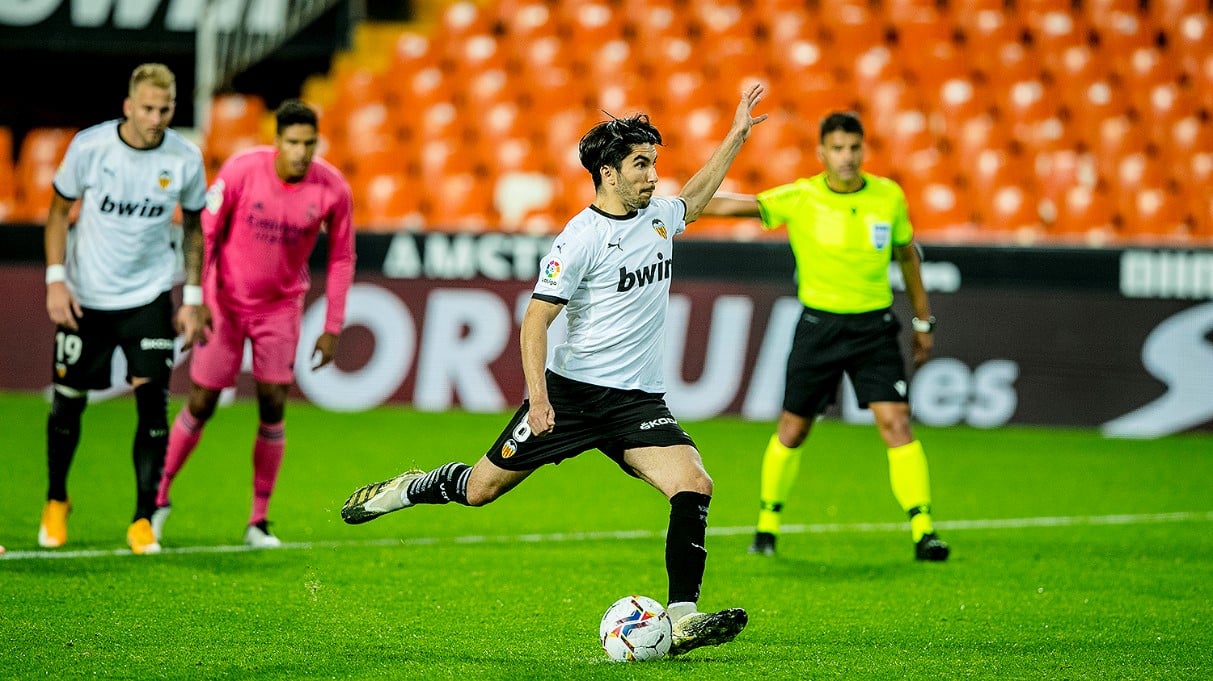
{"x":679,"y":610}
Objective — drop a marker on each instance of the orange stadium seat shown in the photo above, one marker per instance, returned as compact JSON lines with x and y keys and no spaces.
{"x":884,"y":101}
{"x":464,"y":18}
{"x":1056,"y":33}
{"x":1148,"y":68}
{"x":1084,"y":214}
{"x":1033,"y":12}
{"x":991,"y":170}
{"x":1057,"y":171}
{"x":8,"y":176}
{"x":472,"y":54}
{"x":585,"y":23}
{"x":525,"y":201}
{"x":1168,"y":104}
{"x":1156,"y":212}
{"x":1118,"y":138}
{"x":526,"y":20}
{"x":650,"y":22}
{"x":41,"y":151}
{"x":713,"y":21}
{"x":851,"y":26}
{"x":610,"y":61}
{"x":939,"y":208}
{"x":812,"y":94}
{"x":625,"y":94}
{"x":976,"y":135}
{"x":370,"y":140}
{"x":735,"y":62}
{"x":1075,"y":70}
{"x":461,"y":201}
{"x":931,"y":63}
{"x":1190,"y":137}
{"x":385,"y":202}
{"x":1089,"y":106}
{"x":872,"y":67}
{"x":1011,"y":210}
{"x":985,"y":33}
{"x":1190,"y":40}
{"x":782,"y":27}
{"x":1120,"y":33}
{"x":959,"y":100}
{"x":480,"y":90}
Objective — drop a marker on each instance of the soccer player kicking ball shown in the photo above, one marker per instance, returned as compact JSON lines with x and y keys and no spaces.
{"x":604,"y":389}
{"x":263,"y":215}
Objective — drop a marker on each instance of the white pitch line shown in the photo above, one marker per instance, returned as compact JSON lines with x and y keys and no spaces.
{"x":821,"y":528}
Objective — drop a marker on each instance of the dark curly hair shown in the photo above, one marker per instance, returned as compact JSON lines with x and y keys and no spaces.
{"x":609,"y":142}
{"x":846,"y":121}
{"x":295,"y":112}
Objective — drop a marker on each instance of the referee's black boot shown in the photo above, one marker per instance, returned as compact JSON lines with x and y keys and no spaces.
{"x":764,"y":544}
{"x":931,"y":548}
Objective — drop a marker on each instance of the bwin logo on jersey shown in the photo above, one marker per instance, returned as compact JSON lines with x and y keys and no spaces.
{"x":146,"y":209}
{"x":658,"y":271}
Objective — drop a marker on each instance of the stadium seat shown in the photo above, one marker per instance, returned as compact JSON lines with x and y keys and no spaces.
{"x":1156,"y":213}
{"x":1118,"y":137}
{"x":984,"y":33}
{"x":1148,"y":69}
{"x":482,"y":89}
{"x":872,"y":67}
{"x":884,"y":101}
{"x":1085,"y":216}
{"x":1120,"y":33}
{"x":8,"y":176}
{"x":370,"y":140}
{"x":1168,"y":104}
{"x":439,"y":157}
{"x":1033,"y":12}
{"x":464,"y":18}
{"x":585,"y":23}
{"x":610,"y":61}
{"x":811,"y":95}
{"x":1075,"y":70}
{"x":1089,"y":106}
{"x":939,"y":209}
{"x":1055,"y":35}
{"x":525,"y":201}
{"x":41,"y":151}
{"x":1059,"y":170}
{"x":782,"y":27}
{"x":470,"y":55}
{"x":1005,"y":63}
{"x":386,"y":202}
{"x":1011,"y":211}
{"x":651,"y":22}
{"x":461,"y":201}
{"x":990,"y":172}
{"x":1187,"y":151}
{"x":735,"y":62}
{"x":959,"y":100}
{"x":525,"y":20}
{"x":977,"y":135}
{"x":1190,"y":40}
{"x":721,"y":19}
{"x":850,"y":26}
{"x":628,"y":93}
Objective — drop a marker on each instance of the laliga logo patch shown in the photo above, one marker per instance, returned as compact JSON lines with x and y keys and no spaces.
{"x":551,"y":272}
{"x":880,"y":234}
{"x":510,"y":448}
{"x":165,"y":179}
{"x":214,"y":196}
{"x":659,"y":227}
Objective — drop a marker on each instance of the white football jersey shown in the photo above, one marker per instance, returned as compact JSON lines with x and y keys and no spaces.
{"x":120,"y":252}
{"x":614,"y":274}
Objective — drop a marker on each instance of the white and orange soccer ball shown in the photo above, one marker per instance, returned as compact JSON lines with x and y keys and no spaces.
{"x":635,"y":629}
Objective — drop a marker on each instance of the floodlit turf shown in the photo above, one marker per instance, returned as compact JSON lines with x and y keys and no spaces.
{"x":1074,"y":557}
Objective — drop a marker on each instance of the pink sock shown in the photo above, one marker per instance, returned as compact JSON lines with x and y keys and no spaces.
{"x":267,"y":458}
{"x":182,"y":439}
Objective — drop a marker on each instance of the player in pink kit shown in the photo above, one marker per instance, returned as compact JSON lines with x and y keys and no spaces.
{"x":263,"y":215}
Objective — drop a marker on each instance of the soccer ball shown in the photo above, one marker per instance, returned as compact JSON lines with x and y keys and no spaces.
{"x":634,"y":629}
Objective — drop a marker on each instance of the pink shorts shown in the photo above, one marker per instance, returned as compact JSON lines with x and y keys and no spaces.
{"x":275,"y":338}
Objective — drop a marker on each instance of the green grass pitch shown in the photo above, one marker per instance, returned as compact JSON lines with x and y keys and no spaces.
{"x":1074,"y":557}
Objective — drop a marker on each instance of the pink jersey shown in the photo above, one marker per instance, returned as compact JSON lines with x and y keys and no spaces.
{"x":260,"y":232}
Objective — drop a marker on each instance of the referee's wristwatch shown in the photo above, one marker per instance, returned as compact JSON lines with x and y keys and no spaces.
{"x":923,"y":325}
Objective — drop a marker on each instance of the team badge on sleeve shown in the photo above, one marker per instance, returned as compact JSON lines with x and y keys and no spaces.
{"x":659,"y":227}
{"x":214,"y":196}
{"x":551,"y":272}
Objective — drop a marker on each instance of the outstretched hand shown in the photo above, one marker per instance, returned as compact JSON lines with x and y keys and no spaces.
{"x":743,"y":119}
{"x":326,"y":348}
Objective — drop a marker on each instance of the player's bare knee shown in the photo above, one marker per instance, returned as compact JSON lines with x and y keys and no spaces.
{"x":202,"y":403}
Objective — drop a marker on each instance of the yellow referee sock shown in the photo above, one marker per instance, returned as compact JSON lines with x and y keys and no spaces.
{"x":780,"y":466}
{"x":912,"y":486}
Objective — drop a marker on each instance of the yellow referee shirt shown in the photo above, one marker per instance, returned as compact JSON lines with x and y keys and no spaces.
{"x":842,"y":242}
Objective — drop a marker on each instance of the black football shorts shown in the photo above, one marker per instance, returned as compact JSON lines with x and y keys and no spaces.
{"x":588,"y":417}
{"x":83,"y":358}
{"x":864,"y":346}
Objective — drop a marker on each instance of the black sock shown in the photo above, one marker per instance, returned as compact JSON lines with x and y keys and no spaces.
{"x":685,"y":555}
{"x":442,"y":485}
{"x":151,"y":442}
{"x":62,"y":436}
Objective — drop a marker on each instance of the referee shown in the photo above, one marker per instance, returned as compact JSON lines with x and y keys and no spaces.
{"x":844,"y":226}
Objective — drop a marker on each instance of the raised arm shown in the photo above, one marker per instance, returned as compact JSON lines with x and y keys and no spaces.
{"x":700,"y":188}
{"x":731,"y":205}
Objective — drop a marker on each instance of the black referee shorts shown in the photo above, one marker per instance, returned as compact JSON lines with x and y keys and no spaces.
{"x":588,"y":417}
{"x":864,"y":346}
{"x":83,"y":357}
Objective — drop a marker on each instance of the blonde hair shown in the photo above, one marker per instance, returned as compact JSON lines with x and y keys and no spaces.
{"x":157,"y":75}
